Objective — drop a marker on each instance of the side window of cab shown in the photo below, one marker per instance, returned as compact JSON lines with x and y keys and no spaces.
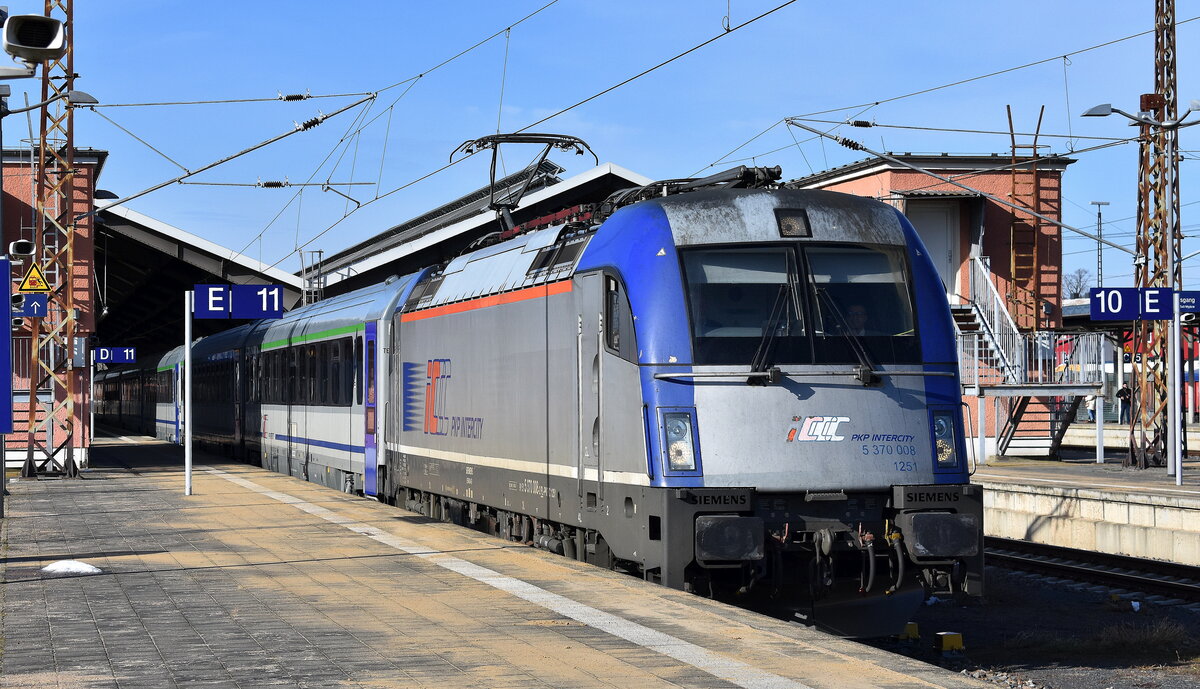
{"x":618,"y":321}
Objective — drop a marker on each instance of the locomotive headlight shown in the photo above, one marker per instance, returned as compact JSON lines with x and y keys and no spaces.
{"x":944,"y":440}
{"x":679,"y":447}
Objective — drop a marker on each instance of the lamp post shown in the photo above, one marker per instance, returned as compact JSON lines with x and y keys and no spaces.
{"x":1165,"y":213}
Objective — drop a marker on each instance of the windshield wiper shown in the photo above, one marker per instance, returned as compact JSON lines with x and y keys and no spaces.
{"x":865,"y":371}
{"x":766,"y":345}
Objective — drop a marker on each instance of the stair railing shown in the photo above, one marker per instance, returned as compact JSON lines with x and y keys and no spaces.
{"x":995,"y":322}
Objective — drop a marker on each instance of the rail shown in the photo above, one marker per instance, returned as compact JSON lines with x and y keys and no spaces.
{"x":1137,"y":574}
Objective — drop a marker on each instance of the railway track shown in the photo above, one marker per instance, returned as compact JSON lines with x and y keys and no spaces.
{"x":1151,"y":577}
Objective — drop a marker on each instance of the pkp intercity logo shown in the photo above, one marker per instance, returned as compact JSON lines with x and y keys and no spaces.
{"x":816,"y":429}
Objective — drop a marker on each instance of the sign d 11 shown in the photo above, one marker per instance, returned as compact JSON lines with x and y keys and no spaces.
{"x":114,"y":355}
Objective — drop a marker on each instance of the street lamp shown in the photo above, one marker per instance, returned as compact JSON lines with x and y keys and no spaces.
{"x":1174,"y":432}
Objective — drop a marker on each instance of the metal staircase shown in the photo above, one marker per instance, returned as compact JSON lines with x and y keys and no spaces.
{"x":1043,"y":375}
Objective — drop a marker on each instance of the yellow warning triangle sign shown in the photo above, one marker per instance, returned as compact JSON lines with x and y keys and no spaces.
{"x":35,"y":280}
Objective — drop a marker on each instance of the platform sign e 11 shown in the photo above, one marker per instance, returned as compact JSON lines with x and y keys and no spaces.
{"x":256,"y":301}
{"x":238,"y":301}
{"x":114,"y":355}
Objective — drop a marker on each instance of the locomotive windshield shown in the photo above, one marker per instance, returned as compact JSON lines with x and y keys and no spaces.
{"x":736,"y":296}
{"x":828,"y":293}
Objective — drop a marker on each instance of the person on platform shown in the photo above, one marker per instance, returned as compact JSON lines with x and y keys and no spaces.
{"x":1123,"y":396}
{"x":1091,"y":408}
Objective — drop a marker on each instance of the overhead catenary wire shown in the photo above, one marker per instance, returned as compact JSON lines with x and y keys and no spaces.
{"x":143,"y":142}
{"x":854,"y":145}
{"x":305,"y":126}
{"x":411,"y":82}
{"x":956,"y":130}
{"x":288,"y":98}
{"x":996,"y":73}
{"x":664,"y":63}
{"x":952,"y":84}
{"x":548,"y":117}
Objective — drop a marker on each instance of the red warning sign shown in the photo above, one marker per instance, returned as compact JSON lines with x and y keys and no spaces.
{"x":35,"y":281}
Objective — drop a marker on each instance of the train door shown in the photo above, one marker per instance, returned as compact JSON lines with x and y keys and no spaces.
{"x":369,"y":407}
{"x":589,"y":328}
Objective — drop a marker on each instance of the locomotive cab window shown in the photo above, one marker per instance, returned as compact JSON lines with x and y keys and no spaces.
{"x":862,"y":292}
{"x":618,"y":320}
{"x":740,"y":297}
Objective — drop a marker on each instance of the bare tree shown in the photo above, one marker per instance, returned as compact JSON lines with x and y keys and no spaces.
{"x":1076,"y":283}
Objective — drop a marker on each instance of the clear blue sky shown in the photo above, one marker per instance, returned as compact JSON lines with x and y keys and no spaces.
{"x":679,"y":120}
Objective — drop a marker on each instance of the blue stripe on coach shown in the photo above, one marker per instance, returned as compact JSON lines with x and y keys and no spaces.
{"x":359,"y":449}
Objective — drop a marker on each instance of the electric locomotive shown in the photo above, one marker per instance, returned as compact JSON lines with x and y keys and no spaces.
{"x":749,"y":393}
{"x":689,"y":391}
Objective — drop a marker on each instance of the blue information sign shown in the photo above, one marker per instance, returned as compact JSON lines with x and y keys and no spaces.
{"x":6,"y":376}
{"x":114,"y":355}
{"x":238,"y":301}
{"x":1156,"y":304}
{"x":211,"y":301}
{"x":33,"y":306}
{"x":1115,"y":303}
{"x":1189,"y":302}
{"x":257,"y":301}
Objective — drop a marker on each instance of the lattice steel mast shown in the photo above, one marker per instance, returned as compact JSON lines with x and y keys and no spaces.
{"x":1159,"y":245}
{"x":52,"y":340}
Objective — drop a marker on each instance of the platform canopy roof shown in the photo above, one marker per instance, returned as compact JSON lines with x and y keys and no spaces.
{"x":143,"y":268}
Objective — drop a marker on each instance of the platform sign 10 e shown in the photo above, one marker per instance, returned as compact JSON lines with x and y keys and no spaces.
{"x":1130,"y":303}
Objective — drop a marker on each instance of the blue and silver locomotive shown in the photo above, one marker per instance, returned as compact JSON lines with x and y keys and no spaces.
{"x":749,"y":393}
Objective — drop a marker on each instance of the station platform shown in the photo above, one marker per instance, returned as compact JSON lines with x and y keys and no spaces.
{"x":259,"y":579}
{"x":1079,"y":503}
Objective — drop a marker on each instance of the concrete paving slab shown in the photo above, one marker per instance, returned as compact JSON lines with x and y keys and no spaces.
{"x":260,"y":579}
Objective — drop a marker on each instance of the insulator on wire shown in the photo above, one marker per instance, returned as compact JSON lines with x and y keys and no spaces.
{"x":861,"y":123}
{"x":309,"y":124}
{"x":295,"y":96}
{"x":273,"y":184}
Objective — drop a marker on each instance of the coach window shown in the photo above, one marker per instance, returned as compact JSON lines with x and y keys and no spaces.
{"x":358,"y":369}
{"x":278,"y":366}
{"x":347,"y":345}
{"x":335,"y":372}
{"x":313,"y":379}
{"x":323,"y":369}
{"x":294,"y":378}
{"x":370,"y":375}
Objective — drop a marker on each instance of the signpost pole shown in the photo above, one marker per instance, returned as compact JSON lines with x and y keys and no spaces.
{"x":187,"y":393}
{"x":91,"y":397}
{"x":1100,"y":402}
{"x":1175,"y":434}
